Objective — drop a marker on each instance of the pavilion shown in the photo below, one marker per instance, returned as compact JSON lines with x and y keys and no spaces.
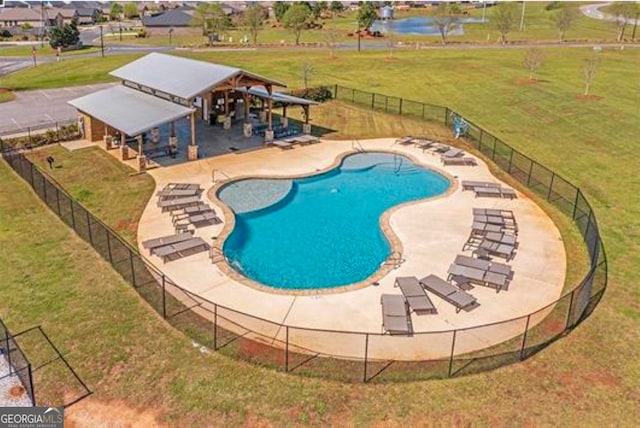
{"x":160,"y":89}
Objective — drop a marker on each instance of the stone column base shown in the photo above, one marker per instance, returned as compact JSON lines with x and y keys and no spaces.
{"x":262,"y":116}
{"x":124,"y":151}
{"x":268,"y":136}
{"x":142,"y":163}
{"x":285,"y":121}
{"x":227,"y":123}
{"x":107,"y":140}
{"x":248,"y":130}
{"x":192,"y":153}
{"x":306,"y":128}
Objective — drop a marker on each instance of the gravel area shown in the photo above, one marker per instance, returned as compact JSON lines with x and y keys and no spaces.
{"x":12,"y":393}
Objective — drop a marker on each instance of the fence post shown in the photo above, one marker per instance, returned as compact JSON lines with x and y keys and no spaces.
{"x":73,"y":216}
{"x":109,"y":247}
{"x":553,"y":176}
{"x":386,"y":104}
{"x":373,"y":100}
{"x":215,"y":327}
{"x":335,"y":92}
{"x":400,"y":106}
{"x":524,"y":337}
{"x":446,"y":115}
{"x":89,"y":227}
{"x":586,"y":230}
{"x":9,"y":350}
{"x":164,"y":298}
{"x":569,"y":323}
{"x":510,"y":161}
{"x":530,"y":171}
{"x":44,"y":189}
{"x":480,"y":141}
{"x":133,"y":271}
{"x":575,"y":204}
{"x":353,"y":95}
{"x":33,"y":392}
{"x":453,"y":346}
{"x":58,"y":201}
{"x":31,"y":175}
{"x":29,"y":134}
{"x":493,"y":154}
{"x":366,"y":355}
{"x":286,"y":350}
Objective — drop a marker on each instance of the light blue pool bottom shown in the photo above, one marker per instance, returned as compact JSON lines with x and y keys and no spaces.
{"x":325,"y":231}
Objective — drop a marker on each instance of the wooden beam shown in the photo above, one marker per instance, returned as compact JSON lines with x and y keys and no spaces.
{"x":270,"y":107}
{"x":193,"y":128}
{"x":246,"y":98}
{"x":226,"y":103}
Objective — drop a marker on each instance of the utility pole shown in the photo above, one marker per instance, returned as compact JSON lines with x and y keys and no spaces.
{"x":33,"y":54}
{"x":358,"y":36}
{"x":101,"y":42}
{"x":635,"y":25}
{"x":120,"y":28}
{"x":524,"y":3}
{"x":484,"y":10}
{"x":42,"y":24}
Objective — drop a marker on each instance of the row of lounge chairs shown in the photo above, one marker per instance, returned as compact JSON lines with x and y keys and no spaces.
{"x":466,"y":271}
{"x":449,"y":155}
{"x":289,"y":142}
{"x":188,"y":212}
{"x":485,"y":188}
{"x":493,"y":232}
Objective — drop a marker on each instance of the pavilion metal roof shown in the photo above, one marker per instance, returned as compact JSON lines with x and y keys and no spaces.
{"x":129,"y":110}
{"x":182,"y":77}
{"x":278,"y":96}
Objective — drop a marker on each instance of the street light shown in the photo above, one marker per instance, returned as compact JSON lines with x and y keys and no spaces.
{"x":170,"y":33}
{"x":101,"y":42}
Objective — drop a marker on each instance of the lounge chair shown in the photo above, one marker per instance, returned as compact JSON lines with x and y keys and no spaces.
{"x":282,"y":144}
{"x":508,"y":193}
{"x":201,"y":208}
{"x":452,"y":153}
{"x":472,"y":262}
{"x":395,"y":315}
{"x":152,"y":244}
{"x":181,"y":249}
{"x":177,"y":193}
{"x":469,"y":270}
{"x":416,"y":296}
{"x":487,"y":191}
{"x":463,"y":161}
{"x":481,"y":228}
{"x":306,"y":139}
{"x":196,"y":220}
{"x":405,"y":141}
{"x":507,"y":214}
{"x":448,"y":292}
{"x":183,"y":186}
{"x":473,"y":274}
{"x":471,"y":185}
{"x":497,"y":249}
{"x":180,"y":203}
{"x":501,"y":238}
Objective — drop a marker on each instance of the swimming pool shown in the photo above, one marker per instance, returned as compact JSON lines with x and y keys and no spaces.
{"x":321,"y":231}
{"x":420,"y":25}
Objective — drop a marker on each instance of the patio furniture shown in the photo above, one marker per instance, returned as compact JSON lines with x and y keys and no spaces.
{"x":281,"y":144}
{"x":472,"y":262}
{"x":448,"y":292}
{"x":489,"y":274}
{"x":508,"y":193}
{"x":481,"y":228}
{"x":177,"y":193}
{"x":471,"y":185}
{"x":487,"y":191}
{"x":405,"y":141}
{"x":463,"y":161}
{"x":471,"y":273}
{"x":501,"y":238}
{"x":197,"y":220}
{"x":496,"y":249}
{"x":152,"y":244}
{"x":181,"y":249}
{"x":415,"y":295}
{"x":176,"y":204}
{"x":507,"y":214}
{"x":396,"y":319}
{"x":306,"y":139}
{"x":452,"y":153}
{"x":201,"y":208}
{"x":183,"y":186}
{"x":423,"y":143}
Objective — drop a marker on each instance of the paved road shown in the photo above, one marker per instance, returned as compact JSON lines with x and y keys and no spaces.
{"x":34,"y":108}
{"x":593,"y":11}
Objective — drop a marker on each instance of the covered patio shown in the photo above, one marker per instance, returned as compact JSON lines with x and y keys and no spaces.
{"x":169,"y":109}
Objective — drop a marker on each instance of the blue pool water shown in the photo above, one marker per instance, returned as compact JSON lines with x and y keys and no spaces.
{"x":421,"y":25}
{"x":325,"y":232}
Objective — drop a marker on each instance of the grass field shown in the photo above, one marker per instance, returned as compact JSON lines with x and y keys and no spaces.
{"x":41,"y":51}
{"x":588,"y":378}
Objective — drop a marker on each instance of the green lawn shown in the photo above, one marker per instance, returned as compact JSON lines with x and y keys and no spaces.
{"x":6,"y":96}
{"x":41,"y":51}
{"x":128,"y":355}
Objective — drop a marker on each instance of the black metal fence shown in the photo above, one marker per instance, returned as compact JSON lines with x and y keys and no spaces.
{"x":17,"y":362}
{"x":344,"y":355}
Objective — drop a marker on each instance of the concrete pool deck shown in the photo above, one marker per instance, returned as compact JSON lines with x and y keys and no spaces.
{"x":432,"y":233}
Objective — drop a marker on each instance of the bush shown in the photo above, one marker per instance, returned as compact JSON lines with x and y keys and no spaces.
{"x":6,"y":33}
{"x":319,"y":94}
{"x":553,"y":5}
{"x":64,"y":133}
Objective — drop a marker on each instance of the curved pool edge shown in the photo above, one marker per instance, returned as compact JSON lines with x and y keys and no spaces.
{"x":384,"y":223}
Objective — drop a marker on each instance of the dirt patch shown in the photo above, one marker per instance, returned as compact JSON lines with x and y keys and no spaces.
{"x":4,"y":90}
{"x":524,"y":81}
{"x":17,"y":391}
{"x":392,"y":59}
{"x":603,"y":378}
{"x":588,"y":98}
{"x":93,"y":413}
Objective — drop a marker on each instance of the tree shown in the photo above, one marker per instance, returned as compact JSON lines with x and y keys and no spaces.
{"x":533,"y":61}
{"x":336,"y":7}
{"x":67,"y":35}
{"x":252,"y":17}
{"x":331,"y":37}
{"x":446,"y":17}
{"x":115,"y":11}
{"x":307,"y":71}
{"x":318,"y":8}
{"x":562,"y":19}
{"x":504,"y":16}
{"x":210,"y":17}
{"x":295,"y":19}
{"x":624,"y":12}
{"x":366,"y":15}
{"x":391,"y":43}
{"x":130,"y":10}
{"x":589,"y":70}
{"x":279,"y":9}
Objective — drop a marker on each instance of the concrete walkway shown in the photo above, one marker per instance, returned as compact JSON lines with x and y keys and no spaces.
{"x":432,"y":233}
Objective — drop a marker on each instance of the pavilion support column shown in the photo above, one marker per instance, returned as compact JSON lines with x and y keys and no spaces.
{"x":192,"y":150}
{"x":285,"y":119}
{"x":142,"y":159}
{"x":124,"y":149}
{"x":227,"y":119}
{"x":306,"y":127}
{"x":247,"y":127}
{"x":269,"y":134}
{"x":263,"y":113}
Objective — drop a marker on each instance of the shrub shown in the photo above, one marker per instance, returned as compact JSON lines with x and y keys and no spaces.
{"x":5,"y":33}
{"x":319,"y":94}
{"x":63,"y":133}
{"x":553,"y":5}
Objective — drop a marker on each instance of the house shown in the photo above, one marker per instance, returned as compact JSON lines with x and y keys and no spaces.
{"x":59,"y":16}
{"x":18,"y":16}
{"x":88,"y":16}
{"x":172,"y":18}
